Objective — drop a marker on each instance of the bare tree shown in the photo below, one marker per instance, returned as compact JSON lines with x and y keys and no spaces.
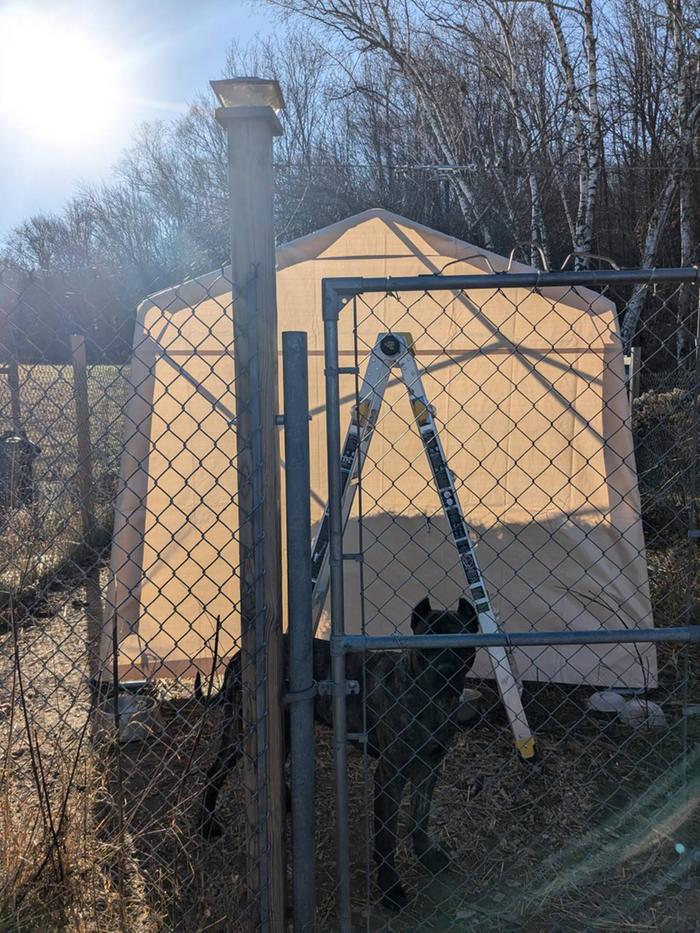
{"x":568,"y":126}
{"x":396,"y":30}
{"x":683,"y":70}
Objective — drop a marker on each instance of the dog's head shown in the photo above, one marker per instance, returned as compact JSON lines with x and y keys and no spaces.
{"x":449,"y":665}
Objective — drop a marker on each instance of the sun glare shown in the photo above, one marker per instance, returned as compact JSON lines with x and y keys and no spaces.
{"x":58,"y":85}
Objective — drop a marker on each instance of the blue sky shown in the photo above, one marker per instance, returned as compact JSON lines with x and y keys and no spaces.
{"x":163,"y":51}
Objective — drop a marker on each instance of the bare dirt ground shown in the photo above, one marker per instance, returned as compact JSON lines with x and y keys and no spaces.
{"x":601,"y":834}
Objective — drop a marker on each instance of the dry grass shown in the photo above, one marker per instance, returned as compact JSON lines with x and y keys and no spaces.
{"x":104,"y":840}
{"x":585,"y":840}
{"x":50,"y":847}
{"x":59,"y":882}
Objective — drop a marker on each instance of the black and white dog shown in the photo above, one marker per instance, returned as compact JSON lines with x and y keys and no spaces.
{"x":410,"y":698}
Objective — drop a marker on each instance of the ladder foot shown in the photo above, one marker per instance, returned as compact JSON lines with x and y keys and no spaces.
{"x":527,"y":750}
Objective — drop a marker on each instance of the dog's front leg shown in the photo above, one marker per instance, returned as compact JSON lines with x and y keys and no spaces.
{"x":388,"y":789}
{"x":228,"y":756}
{"x":429,"y":854}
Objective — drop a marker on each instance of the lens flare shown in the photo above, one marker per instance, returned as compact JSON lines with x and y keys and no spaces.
{"x":58,"y":86}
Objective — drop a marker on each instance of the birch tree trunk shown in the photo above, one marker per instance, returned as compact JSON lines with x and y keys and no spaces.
{"x":594,"y":142}
{"x":686,"y":297}
{"x":633,"y":312}
{"x":687,"y":86}
{"x":680,"y":157}
{"x":587,"y":123}
{"x":538,"y":230}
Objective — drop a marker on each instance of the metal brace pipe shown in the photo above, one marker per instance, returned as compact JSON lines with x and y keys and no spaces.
{"x":337,"y":291}
{"x":342,"y":832}
{"x":354,"y":643}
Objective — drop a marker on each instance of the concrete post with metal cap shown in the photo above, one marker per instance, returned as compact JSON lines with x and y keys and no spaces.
{"x":248,"y":112}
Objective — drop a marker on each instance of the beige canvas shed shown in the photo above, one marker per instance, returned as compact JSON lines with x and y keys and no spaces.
{"x":530,"y":396}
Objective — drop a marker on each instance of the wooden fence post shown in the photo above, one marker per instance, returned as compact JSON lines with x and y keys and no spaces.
{"x":15,"y":403}
{"x":87,"y":501}
{"x":9,"y":299}
{"x":635,"y":372}
{"x":633,"y":363}
{"x":82,"y":417}
{"x":247,"y":113}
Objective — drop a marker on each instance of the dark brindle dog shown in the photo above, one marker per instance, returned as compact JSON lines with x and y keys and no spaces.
{"x":411,"y":698}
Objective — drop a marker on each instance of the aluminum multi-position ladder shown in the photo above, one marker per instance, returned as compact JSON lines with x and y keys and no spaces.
{"x":389,"y":352}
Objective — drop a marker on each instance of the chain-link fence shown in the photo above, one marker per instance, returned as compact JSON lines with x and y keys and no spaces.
{"x":485,"y":413}
{"x":495,"y":467}
{"x":120,"y":584}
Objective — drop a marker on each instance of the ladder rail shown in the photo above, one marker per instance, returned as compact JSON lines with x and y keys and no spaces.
{"x":393,"y":350}
{"x":424,"y":415}
{"x":352,"y":459}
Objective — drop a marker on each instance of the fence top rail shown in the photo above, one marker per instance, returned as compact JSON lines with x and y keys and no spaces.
{"x":337,"y":290}
{"x":351,"y":643}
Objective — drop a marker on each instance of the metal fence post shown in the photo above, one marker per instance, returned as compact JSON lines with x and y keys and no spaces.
{"x":335,"y":508}
{"x":301,"y":672}
{"x":248,"y":114}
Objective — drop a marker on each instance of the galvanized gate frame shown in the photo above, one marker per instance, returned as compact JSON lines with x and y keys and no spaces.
{"x":336,"y":293}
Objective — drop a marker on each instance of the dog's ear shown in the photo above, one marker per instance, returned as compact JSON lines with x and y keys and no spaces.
{"x":420,"y":614}
{"x":468,"y":613}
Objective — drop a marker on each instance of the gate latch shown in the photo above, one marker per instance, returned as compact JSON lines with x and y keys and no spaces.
{"x":328,"y":688}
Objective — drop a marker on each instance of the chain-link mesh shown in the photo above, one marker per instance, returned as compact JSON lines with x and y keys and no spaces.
{"x":119,"y":576}
{"x":580,"y":512}
{"x":582,"y":502}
